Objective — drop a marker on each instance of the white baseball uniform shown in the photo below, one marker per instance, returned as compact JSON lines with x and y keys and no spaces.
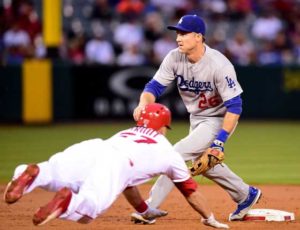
{"x":203,"y":87}
{"x":97,"y":170}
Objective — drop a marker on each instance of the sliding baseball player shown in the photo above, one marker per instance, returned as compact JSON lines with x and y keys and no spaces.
{"x":89,"y":176}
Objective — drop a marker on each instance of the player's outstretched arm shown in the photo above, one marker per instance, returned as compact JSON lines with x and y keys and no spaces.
{"x":189,"y":189}
{"x":195,"y":198}
{"x":145,"y":212}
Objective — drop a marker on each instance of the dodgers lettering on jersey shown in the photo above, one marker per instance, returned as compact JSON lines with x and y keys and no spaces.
{"x":203,"y":86}
{"x":193,"y":86}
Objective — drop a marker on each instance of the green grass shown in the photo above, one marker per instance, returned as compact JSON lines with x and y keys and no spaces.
{"x":259,"y":152}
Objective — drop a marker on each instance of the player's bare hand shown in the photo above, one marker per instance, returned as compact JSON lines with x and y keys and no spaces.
{"x":137,"y":112}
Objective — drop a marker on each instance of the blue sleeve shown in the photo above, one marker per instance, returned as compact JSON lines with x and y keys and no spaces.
{"x":155,"y":88}
{"x":234,"y":105}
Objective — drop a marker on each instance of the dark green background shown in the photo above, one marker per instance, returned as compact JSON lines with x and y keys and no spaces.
{"x":259,"y":152}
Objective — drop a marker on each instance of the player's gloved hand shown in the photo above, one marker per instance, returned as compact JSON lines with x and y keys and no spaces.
{"x":218,"y":143}
{"x":212,"y":222}
{"x":153,"y":213}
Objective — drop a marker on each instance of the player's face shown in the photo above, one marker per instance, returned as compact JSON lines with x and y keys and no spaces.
{"x":187,"y":42}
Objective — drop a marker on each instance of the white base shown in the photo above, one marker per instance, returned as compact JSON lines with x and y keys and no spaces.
{"x":268,"y":215}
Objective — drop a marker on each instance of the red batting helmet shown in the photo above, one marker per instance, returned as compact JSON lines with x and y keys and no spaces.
{"x":155,"y":116}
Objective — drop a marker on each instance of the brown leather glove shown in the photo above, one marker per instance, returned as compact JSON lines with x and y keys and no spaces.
{"x":210,"y":158}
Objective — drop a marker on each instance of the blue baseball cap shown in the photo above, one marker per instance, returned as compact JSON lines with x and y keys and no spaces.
{"x":190,"y":23}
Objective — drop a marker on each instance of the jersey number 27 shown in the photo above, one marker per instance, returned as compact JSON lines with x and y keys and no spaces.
{"x":138,"y":138}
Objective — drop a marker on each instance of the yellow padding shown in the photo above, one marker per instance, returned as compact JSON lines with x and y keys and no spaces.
{"x":37,"y":91}
{"x":52,"y":22}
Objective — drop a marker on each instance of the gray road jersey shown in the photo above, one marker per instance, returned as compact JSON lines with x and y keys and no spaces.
{"x":203,"y":86}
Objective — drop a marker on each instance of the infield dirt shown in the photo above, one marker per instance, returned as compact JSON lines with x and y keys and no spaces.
{"x":181,"y":215}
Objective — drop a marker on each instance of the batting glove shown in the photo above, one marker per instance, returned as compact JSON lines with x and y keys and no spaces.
{"x":212,"y":222}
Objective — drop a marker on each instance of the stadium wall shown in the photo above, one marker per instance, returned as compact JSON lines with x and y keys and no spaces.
{"x":43,"y":92}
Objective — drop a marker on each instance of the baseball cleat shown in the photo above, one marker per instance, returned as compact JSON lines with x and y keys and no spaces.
{"x":139,"y":219}
{"x":243,"y":208}
{"x":57,"y":206}
{"x":148,"y":217}
{"x":15,"y":188}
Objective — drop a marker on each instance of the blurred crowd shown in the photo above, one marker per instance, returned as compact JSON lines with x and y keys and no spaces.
{"x":133,"y":32}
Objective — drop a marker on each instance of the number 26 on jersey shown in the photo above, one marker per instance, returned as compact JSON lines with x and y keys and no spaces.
{"x":205,"y":103}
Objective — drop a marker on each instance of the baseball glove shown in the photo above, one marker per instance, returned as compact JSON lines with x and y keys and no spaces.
{"x":210,"y":158}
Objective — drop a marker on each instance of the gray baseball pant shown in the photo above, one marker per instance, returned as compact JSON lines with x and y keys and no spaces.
{"x":202,"y":134}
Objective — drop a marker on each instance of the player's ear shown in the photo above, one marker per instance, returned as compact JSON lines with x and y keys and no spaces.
{"x":199,"y":37}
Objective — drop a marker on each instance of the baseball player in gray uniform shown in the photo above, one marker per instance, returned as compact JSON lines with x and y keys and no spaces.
{"x":208,"y":86}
